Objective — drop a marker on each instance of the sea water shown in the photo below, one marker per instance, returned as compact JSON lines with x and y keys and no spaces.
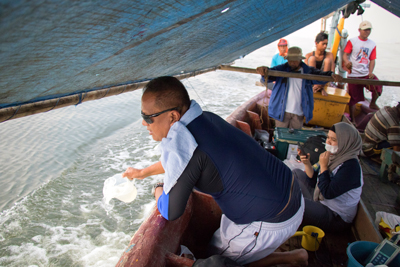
{"x":53,"y":167}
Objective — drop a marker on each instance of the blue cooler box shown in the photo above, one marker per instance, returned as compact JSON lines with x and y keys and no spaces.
{"x":285,"y":136}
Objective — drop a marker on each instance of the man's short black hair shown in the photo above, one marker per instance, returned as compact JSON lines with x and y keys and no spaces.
{"x":169,"y":92}
{"x":321,"y":37}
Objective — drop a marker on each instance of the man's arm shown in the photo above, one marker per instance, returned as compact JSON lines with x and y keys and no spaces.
{"x":336,"y":78}
{"x":172,"y":205}
{"x":330,"y":56}
{"x":371,"y":69}
{"x":273,"y":61}
{"x":307,"y":56}
{"x":346,"y":55}
{"x":140,"y":174}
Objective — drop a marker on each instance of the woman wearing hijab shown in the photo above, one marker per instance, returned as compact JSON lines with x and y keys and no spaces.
{"x":332,"y":187}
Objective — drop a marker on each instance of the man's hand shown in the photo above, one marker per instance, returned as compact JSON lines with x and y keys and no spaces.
{"x":349,"y":66}
{"x":317,"y":87}
{"x":371,"y":75}
{"x":132,"y":173}
{"x":262,"y":70}
{"x":337,"y":78}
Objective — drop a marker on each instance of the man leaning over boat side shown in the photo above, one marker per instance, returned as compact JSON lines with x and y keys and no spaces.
{"x":292,"y":98}
{"x":261,"y":201}
{"x":359,"y":60}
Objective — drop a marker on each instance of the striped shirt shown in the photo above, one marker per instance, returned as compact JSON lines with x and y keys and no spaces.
{"x":384,"y":126}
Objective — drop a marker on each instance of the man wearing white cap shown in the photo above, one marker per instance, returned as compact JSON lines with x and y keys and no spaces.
{"x":359,"y":58}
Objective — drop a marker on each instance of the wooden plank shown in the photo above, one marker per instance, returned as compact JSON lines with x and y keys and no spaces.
{"x":255,"y":122}
{"x":310,"y":76}
{"x":337,"y":245}
{"x":364,"y":227}
{"x":27,"y":109}
{"x":244,"y":126}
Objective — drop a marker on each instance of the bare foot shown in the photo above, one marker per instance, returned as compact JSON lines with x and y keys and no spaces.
{"x":297,"y":257}
{"x":373,"y":106}
{"x":300,"y":257}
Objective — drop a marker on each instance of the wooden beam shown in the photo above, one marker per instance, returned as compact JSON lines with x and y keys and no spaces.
{"x":276,"y":73}
{"x":19,"y":111}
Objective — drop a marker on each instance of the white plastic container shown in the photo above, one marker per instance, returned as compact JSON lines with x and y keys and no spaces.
{"x":119,"y":188}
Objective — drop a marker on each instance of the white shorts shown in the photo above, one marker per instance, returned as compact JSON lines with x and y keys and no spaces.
{"x":241,"y":243}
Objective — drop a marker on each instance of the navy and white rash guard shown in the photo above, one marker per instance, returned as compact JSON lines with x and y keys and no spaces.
{"x":248,"y":183}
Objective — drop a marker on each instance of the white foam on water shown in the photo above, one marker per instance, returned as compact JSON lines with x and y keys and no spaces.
{"x":147,"y":208}
{"x":24,"y":255}
{"x":73,"y":244}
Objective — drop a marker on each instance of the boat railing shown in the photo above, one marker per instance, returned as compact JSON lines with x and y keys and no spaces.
{"x":26,"y":109}
{"x":276,"y":73}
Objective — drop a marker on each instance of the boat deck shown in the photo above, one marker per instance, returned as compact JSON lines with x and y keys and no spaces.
{"x":376,"y":196}
{"x":384,"y":199}
{"x":331,"y":252}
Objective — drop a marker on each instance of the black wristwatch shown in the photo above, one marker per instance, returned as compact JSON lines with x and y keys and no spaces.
{"x":153,"y":191}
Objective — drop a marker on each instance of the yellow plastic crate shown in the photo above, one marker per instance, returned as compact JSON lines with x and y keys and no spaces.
{"x":329,"y":109}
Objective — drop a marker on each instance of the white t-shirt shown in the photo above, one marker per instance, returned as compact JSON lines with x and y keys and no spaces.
{"x":293,"y":102}
{"x":361,"y":53}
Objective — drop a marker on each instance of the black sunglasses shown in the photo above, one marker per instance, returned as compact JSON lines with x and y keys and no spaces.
{"x":147,"y":118}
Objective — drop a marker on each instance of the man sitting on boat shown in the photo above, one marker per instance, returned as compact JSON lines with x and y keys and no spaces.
{"x":261,"y":202}
{"x":383,"y":131}
{"x":332,"y":189}
{"x":292,"y":98}
{"x":359,"y":60}
{"x":320,"y":59}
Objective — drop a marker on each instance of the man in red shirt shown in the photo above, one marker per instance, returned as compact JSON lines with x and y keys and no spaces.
{"x":359,"y":59}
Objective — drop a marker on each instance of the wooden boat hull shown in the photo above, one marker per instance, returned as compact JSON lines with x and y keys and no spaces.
{"x":158,"y":240}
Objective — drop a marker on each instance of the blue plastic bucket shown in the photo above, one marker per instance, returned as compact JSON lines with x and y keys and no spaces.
{"x":359,"y":251}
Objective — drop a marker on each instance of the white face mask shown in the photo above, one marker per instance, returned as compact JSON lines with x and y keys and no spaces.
{"x":332,"y":149}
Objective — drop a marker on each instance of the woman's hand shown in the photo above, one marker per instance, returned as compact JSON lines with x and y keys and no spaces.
{"x":304,"y":158}
{"x":324,"y":160}
{"x":307,"y":163}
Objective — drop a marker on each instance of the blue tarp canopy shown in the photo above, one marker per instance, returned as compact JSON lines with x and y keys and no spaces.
{"x":57,"y":48}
